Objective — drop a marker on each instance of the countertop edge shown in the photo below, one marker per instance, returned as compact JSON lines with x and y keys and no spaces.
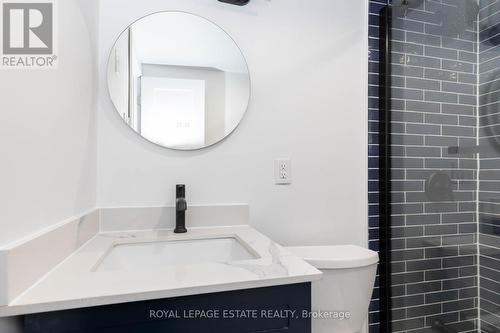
{"x":18,"y":310}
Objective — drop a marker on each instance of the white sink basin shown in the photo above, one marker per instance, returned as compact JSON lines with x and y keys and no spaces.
{"x":144,"y":255}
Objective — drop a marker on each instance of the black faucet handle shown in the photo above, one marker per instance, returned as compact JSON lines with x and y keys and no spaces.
{"x":180,"y":204}
{"x":180,"y":191}
{"x":180,"y":207}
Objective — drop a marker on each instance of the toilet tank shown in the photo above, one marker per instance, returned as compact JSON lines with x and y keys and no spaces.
{"x":340,"y":300}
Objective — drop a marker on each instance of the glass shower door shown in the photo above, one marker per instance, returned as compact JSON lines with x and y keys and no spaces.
{"x":442,"y":121}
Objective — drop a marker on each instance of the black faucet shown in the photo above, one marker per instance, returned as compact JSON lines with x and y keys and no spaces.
{"x":180,"y":209}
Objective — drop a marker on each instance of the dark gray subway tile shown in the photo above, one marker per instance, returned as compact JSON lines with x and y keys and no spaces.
{"x":467,"y":100}
{"x":405,"y":278}
{"x":459,"y":261}
{"x":408,"y":162}
{"x":407,"y":48}
{"x":423,"y":219}
{"x":420,"y":61}
{"x":458,"y":66}
{"x":401,"y":139}
{"x":418,"y":14}
{"x":423,"y":151}
{"x":459,"y":131}
{"x":398,"y":150}
{"x":441,"y":141}
{"x":449,"y":229}
{"x":467,"y":206}
{"x":490,"y":175}
{"x":423,"y":106}
{"x":407,"y":94}
{"x":458,"y":217}
{"x":403,"y":232}
{"x":490,"y":186}
{"x":405,"y":116}
{"x":459,"y":283}
{"x":439,"y":119}
{"x":398,"y":127}
{"x":458,"y":44}
{"x":467,"y":78}
{"x":440,"y":52}
{"x":425,"y":310}
{"x":441,"y":207}
{"x":418,"y":174}
{"x":468,"y":56}
{"x":458,"y":305}
{"x":467,"y":121}
{"x":467,"y":228}
{"x":441,"y":252}
{"x":410,"y":208}
{"x":423,"y":84}
{"x":423,"y":129}
{"x":489,"y":97}
{"x":398,"y":267}
{"x":458,"y":240}
{"x":406,"y":301}
{"x":416,"y":197}
{"x":424,"y":39}
{"x":441,"y":163}
{"x":398,"y":244}
{"x":403,"y":185}
{"x":468,"y":271}
{"x":465,"y":250}
{"x":458,"y":109}
{"x":422,"y":242}
{"x":442,"y":274}
{"x":404,"y":255}
{"x":441,"y":97}
{"x":471,"y":313}
{"x":463,"y":326}
{"x":489,"y":274}
{"x":461,"y":88}
{"x":490,"y":65}
{"x":408,"y":324}
{"x":423,"y":265}
{"x":445,"y":318}
{"x":421,"y":288}
{"x":468,"y":164}
{"x":488,"y":113}
{"x":442,"y":75}
{"x":408,"y":71}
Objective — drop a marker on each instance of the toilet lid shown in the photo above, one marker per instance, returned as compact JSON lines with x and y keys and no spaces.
{"x":336,"y":257}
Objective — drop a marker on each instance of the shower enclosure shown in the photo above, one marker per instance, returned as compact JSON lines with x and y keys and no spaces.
{"x":435,"y":164}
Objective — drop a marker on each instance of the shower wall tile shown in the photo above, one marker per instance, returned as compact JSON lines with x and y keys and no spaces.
{"x":434,"y":107}
{"x":489,"y":176}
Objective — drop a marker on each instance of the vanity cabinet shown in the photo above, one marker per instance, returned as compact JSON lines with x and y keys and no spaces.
{"x":271,"y":309}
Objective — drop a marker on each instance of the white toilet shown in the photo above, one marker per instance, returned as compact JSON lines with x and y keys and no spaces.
{"x":346,"y":287}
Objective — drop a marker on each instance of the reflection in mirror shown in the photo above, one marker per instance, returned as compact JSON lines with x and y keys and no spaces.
{"x":178,"y":80}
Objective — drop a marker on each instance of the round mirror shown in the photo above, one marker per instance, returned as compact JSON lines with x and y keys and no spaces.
{"x":178,"y":80}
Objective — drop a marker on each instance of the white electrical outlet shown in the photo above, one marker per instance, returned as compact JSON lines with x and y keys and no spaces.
{"x":283,"y":171}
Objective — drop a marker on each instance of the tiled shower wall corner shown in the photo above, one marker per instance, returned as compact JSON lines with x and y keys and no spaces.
{"x":434,"y":107}
{"x":489,"y":187}
{"x":373,"y":150}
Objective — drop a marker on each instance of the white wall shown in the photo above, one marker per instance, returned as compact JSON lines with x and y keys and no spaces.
{"x":308,"y":66}
{"x":47,"y":132}
{"x":237,"y":87}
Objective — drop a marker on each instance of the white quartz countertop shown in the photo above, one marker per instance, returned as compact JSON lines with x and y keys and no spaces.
{"x":75,"y":283}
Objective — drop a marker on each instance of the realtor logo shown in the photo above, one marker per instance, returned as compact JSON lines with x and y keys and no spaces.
{"x":28,"y":34}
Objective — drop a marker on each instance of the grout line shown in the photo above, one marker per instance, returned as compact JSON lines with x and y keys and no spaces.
{"x":478,"y":188}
